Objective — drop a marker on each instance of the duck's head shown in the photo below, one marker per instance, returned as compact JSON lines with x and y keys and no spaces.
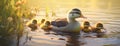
{"x":75,"y":13}
{"x":99,"y":26}
{"x":86,"y":24}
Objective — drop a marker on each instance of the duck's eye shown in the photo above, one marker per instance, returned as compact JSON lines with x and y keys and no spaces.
{"x":71,"y":14}
{"x":74,"y":13}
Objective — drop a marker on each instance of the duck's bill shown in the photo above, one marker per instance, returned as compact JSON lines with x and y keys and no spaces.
{"x":83,"y":16}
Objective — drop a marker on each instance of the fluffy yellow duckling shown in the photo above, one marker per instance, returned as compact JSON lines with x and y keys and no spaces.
{"x":42,"y":22}
{"x":98,"y":28}
{"x":46,"y":25}
{"x":33,"y":25}
{"x":86,"y":27}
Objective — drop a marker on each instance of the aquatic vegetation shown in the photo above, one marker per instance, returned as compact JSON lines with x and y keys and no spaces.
{"x":11,"y":21}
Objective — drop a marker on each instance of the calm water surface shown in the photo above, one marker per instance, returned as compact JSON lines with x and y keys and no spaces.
{"x":107,"y":12}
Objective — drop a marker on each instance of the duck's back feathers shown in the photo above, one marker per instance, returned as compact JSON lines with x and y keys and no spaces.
{"x":60,"y":22}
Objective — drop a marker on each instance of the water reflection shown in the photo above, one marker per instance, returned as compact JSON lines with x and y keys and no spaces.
{"x":73,"y":40}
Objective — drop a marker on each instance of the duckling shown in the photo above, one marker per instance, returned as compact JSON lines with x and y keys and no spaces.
{"x":98,"y":28}
{"x":33,"y":26}
{"x":46,"y":26}
{"x":42,"y":22}
{"x":86,"y":27}
{"x":73,"y":25}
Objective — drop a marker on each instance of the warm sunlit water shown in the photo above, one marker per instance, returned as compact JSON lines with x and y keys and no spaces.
{"x":107,"y":12}
{"x":110,"y":21}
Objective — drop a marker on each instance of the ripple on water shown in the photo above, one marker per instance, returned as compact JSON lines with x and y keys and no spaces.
{"x":110,"y":20}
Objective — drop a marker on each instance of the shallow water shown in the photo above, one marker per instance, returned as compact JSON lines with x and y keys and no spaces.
{"x":112,"y":38}
{"x":107,"y":14}
{"x":42,"y":38}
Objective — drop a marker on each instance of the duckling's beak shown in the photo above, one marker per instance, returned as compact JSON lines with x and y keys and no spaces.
{"x":81,"y":16}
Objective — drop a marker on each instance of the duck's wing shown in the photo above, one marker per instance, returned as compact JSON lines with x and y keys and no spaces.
{"x":60,"y":22}
{"x":54,"y":28}
{"x":66,"y":28}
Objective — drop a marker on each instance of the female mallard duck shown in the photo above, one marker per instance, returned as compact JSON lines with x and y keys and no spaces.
{"x":86,"y":27}
{"x":73,"y":25}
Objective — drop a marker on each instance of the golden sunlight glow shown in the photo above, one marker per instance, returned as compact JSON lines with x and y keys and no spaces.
{"x":68,"y":4}
{"x":61,"y":7}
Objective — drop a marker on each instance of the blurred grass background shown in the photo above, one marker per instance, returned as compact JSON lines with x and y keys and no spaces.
{"x":12,"y":14}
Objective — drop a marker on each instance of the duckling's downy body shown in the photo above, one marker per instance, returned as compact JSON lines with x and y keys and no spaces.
{"x":33,"y":26}
{"x":98,"y":28}
{"x":86,"y":27}
{"x":45,"y":26}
